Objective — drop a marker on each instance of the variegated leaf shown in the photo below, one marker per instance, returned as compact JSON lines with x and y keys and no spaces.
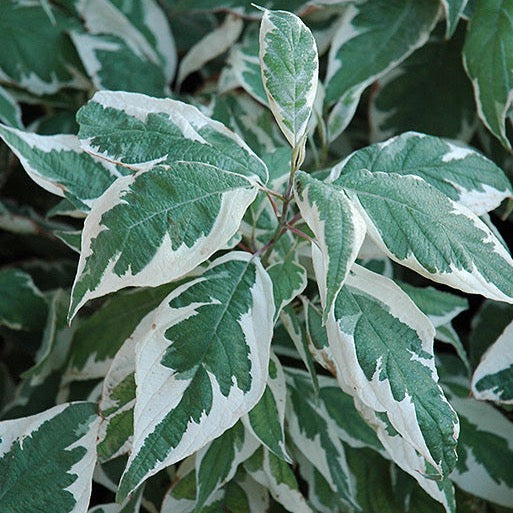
{"x":99,"y":337}
{"x":59,"y":165}
{"x":253,"y":122}
{"x":386,"y":32}
{"x":46,"y":62}
{"x":215,"y":43}
{"x":188,"y":396}
{"x":488,"y":59}
{"x":55,"y":344}
{"x":276,"y":475}
{"x":54,"y":452}
{"x":485,"y":448}
{"x":10,"y":112}
{"x":245,"y":65}
{"x":217,"y":462}
{"x":421,"y":228}
{"x":453,"y":10}
{"x":339,"y":231}
{"x":429,"y":92}
{"x":290,"y":68}
{"x":296,"y":329}
{"x":129,"y":51}
{"x":460,"y":172}
{"x":408,"y":458}
{"x":266,"y":419}
{"x":493,"y":377}
{"x":139,"y":131}
{"x":184,"y":213}
{"x":131,"y":504}
{"x":23,"y":306}
{"x":289,"y":280}
{"x":115,"y":435}
{"x":441,"y":307}
{"x":382,"y":345}
{"x":316,"y":436}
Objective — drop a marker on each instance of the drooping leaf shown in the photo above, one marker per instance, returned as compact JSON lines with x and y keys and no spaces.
{"x":253,"y":123}
{"x":10,"y":112}
{"x":273,"y":473}
{"x":488,"y":59}
{"x":453,"y":10}
{"x":429,"y":92}
{"x":266,"y":419}
{"x":289,"y":62}
{"x":187,"y":396}
{"x":184,"y":213}
{"x":55,"y":344}
{"x":55,"y":453}
{"x":493,"y":377}
{"x":460,"y":172}
{"x":217,"y":462}
{"x":289,"y":280}
{"x":418,"y":226}
{"x":58,"y":164}
{"x":339,"y":231}
{"x":44,"y":62}
{"x":408,"y":458}
{"x":99,"y":337}
{"x":386,"y":32}
{"x":23,"y":306}
{"x":485,"y":447}
{"x":315,"y":435}
{"x":126,"y":49}
{"x":382,"y":345}
{"x":213,"y":44}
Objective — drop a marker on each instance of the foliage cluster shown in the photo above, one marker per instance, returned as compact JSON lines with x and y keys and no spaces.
{"x":278,"y":218}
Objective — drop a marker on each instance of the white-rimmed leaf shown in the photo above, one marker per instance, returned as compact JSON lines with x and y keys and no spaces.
{"x":485,"y":448}
{"x":316,"y":436}
{"x":55,"y":452}
{"x":266,"y":419}
{"x":55,"y":344}
{"x":420,"y":227}
{"x":99,"y":337}
{"x":295,"y":327}
{"x":139,"y":131}
{"x":245,"y":65}
{"x":23,"y":306}
{"x":189,"y":396}
{"x":217,"y":462}
{"x":385,"y":32}
{"x":273,"y":473}
{"x":441,"y":307}
{"x":429,"y":92}
{"x":183,"y":213}
{"x":213,"y":44}
{"x":115,"y":434}
{"x":460,"y":172}
{"x":253,"y":122}
{"x":289,"y":280}
{"x":290,"y":68}
{"x":488,"y":59}
{"x":408,"y":458}
{"x":382,"y":345}
{"x":493,"y":377}
{"x":10,"y":112}
{"x":338,"y":228}
{"x":59,"y":165}
{"x":45,"y":62}
{"x":453,"y":10}
{"x":124,"y":48}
